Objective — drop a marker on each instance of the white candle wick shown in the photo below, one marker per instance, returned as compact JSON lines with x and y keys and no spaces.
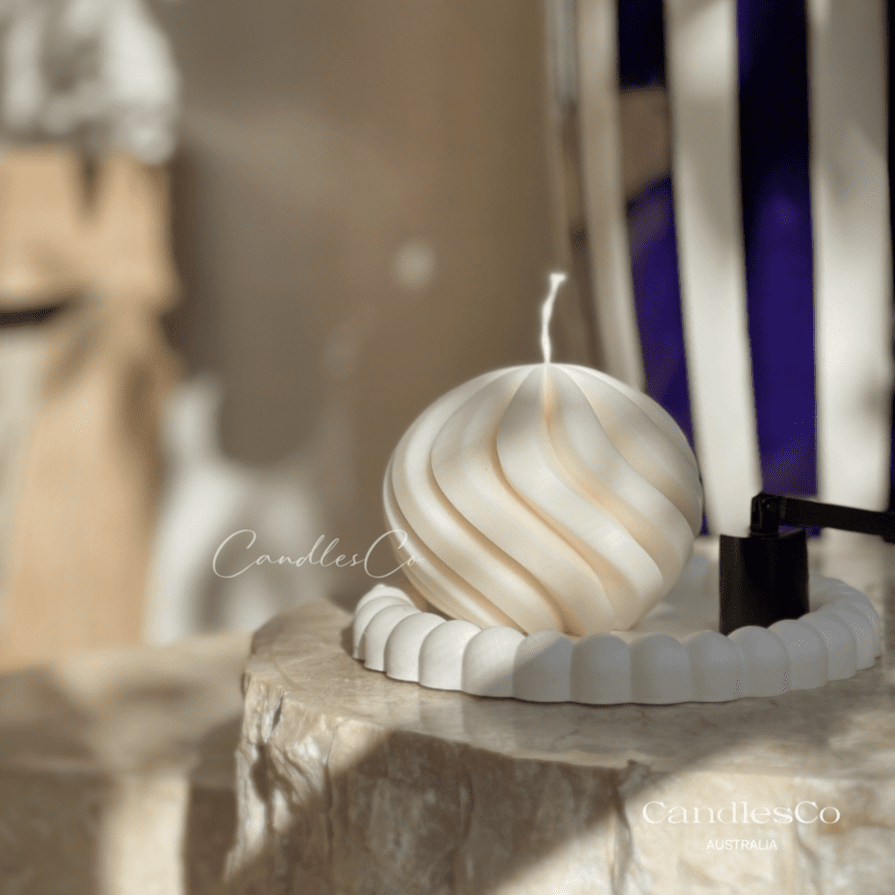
{"x":556,"y":280}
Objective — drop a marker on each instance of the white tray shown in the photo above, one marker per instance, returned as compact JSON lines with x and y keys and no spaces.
{"x":674,"y":654}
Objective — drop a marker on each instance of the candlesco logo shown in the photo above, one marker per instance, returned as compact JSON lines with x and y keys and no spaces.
{"x":230,"y":558}
{"x":656,"y":812}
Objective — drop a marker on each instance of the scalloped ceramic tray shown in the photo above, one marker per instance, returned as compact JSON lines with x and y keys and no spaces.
{"x":674,"y":654}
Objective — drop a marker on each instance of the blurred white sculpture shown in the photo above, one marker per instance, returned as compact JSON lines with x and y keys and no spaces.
{"x":209,"y":498}
{"x":98,"y":70}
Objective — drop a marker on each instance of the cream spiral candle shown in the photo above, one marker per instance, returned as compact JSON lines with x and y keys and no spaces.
{"x":544,"y":497}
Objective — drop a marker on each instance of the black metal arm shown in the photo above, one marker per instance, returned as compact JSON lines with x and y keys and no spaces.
{"x":769,"y":511}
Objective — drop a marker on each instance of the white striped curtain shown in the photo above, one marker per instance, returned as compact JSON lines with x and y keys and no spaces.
{"x":741,"y":265}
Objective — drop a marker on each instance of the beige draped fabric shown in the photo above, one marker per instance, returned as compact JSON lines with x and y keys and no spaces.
{"x":73,"y":574}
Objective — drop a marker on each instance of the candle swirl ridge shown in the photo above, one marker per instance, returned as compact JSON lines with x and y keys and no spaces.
{"x":544,"y":497}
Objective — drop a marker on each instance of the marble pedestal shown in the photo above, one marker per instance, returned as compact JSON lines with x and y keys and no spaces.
{"x":349,"y":782}
{"x":116,"y":771}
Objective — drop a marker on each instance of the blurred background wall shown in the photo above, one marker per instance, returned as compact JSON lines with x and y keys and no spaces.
{"x":363,"y":221}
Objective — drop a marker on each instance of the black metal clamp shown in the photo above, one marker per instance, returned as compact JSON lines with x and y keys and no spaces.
{"x":764,"y":577}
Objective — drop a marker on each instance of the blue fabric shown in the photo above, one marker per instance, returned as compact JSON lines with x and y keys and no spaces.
{"x":651,"y":228}
{"x":777,"y":235}
{"x":774,"y":166}
{"x":657,"y":292}
{"x":641,"y":43}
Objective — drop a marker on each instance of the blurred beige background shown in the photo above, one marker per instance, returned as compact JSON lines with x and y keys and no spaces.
{"x":364,"y":221}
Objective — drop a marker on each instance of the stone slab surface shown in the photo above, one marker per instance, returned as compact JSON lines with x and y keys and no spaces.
{"x":349,"y":782}
{"x":116,"y":771}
